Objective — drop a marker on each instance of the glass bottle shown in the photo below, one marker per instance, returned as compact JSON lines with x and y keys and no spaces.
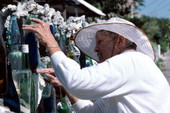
{"x":14,"y":42}
{"x":72,"y":50}
{"x":7,"y":89}
{"x":13,"y":33}
{"x":3,"y":67}
{"x":62,"y":106}
{"x":89,"y":61}
{"x":23,"y":86}
{"x":14,"y":57}
{"x":11,"y":99}
{"x":25,"y":57}
{"x":34,"y":61}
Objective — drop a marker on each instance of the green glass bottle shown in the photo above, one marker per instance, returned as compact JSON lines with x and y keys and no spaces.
{"x":25,"y":57}
{"x":72,"y":50}
{"x":14,"y":57}
{"x":31,"y":16}
{"x":89,"y":61}
{"x":24,"y":82}
{"x":62,"y":106}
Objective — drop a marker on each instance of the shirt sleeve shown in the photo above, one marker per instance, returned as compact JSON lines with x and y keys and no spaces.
{"x":89,"y":83}
{"x":86,"y":106}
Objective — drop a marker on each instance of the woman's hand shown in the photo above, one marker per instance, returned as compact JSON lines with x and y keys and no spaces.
{"x":44,"y":35}
{"x":51,"y":76}
{"x":55,"y":82}
{"x":42,"y":31}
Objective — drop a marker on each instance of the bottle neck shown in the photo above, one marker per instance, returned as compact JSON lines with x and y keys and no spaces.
{"x":70,"y":50}
{"x":25,"y":56}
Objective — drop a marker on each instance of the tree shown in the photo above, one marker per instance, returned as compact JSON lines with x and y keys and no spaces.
{"x":158,"y":29}
{"x":119,"y":7}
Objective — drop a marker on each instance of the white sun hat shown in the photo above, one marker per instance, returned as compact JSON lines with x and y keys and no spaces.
{"x":86,"y":41}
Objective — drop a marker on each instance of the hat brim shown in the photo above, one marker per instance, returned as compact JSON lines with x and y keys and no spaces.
{"x":86,"y":41}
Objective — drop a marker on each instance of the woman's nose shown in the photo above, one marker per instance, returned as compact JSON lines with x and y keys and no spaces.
{"x":96,"y":49}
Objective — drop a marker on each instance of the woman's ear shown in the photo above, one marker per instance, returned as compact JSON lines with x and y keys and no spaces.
{"x":122,"y":43}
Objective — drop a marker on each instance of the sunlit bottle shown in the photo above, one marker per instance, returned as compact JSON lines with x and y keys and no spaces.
{"x":23,"y":82}
{"x":25,"y":57}
{"x":14,"y":42}
{"x":47,"y":89}
{"x":72,"y":51}
{"x":62,"y":105}
{"x":63,"y":42}
{"x":34,"y":61}
{"x":25,"y":79}
{"x":14,"y":57}
{"x":13,"y":33}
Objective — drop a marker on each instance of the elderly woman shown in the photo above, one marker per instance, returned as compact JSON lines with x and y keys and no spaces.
{"x":126,"y":79}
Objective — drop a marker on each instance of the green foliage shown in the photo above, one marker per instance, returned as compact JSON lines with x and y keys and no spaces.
{"x":159,"y":62}
{"x":157,"y":29}
{"x":151,"y":27}
{"x":120,"y":7}
{"x":164,"y":44}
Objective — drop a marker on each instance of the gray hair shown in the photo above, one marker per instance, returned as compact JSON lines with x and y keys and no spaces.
{"x":129,"y":44}
{"x":107,"y":33}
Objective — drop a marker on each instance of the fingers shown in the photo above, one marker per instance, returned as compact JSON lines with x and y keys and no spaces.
{"x":36,"y":20}
{"x":56,"y":83}
{"x":53,"y":80}
{"x":47,"y":70}
{"x":32,"y":27}
{"x":50,"y":77}
{"x":27,"y":27}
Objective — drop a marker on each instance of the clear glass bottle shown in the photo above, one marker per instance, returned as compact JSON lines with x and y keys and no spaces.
{"x":23,"y":86}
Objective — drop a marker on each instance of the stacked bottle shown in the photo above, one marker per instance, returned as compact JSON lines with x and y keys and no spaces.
{"x":72,"y":51}
{"x":23,"y":81}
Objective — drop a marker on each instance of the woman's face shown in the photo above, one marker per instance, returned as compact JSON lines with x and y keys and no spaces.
{"x":104,"y":47}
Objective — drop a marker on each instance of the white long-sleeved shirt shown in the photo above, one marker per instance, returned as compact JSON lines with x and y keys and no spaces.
{"x":126,"y":83}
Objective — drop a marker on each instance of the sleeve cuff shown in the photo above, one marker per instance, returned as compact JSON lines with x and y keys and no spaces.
{"x":81,"y":104}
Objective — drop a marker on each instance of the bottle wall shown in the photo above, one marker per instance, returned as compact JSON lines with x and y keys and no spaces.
{"x":33,"y":90}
